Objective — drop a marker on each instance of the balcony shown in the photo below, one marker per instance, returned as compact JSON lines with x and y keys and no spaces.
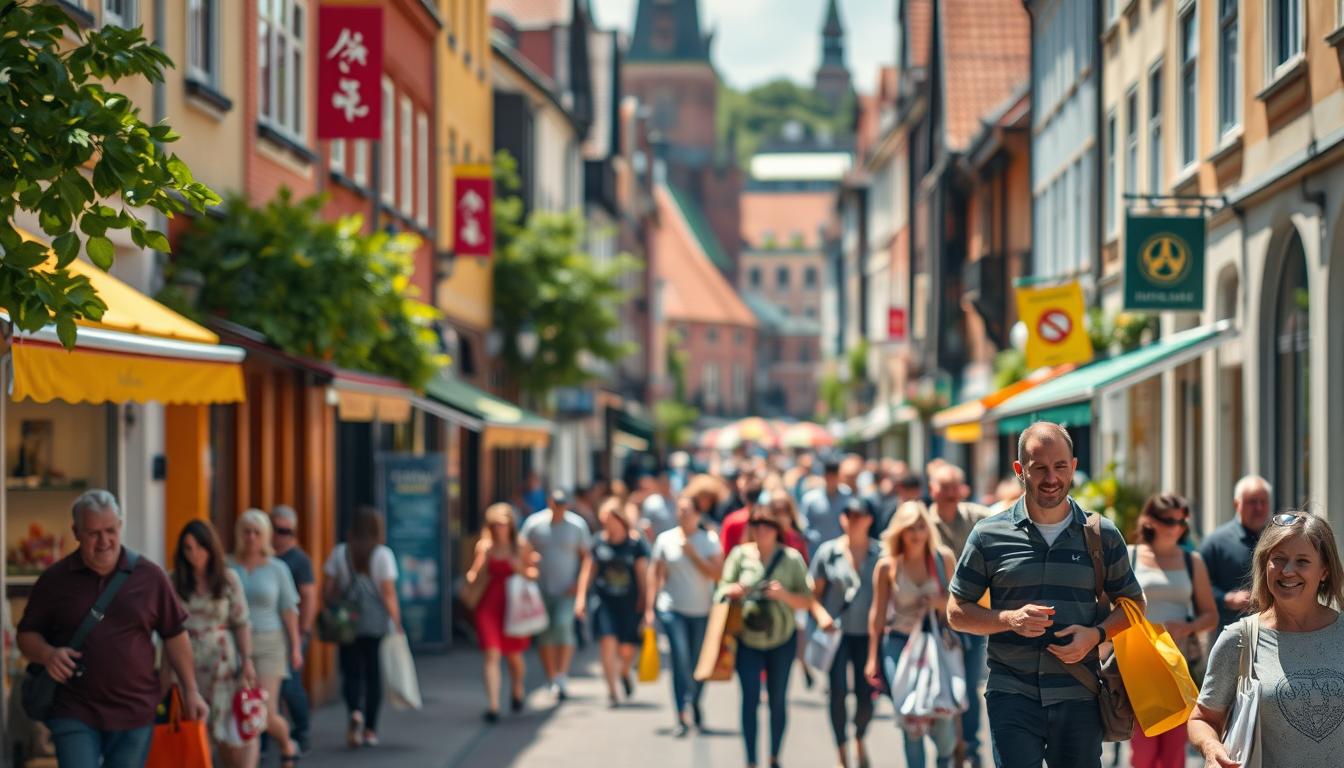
{"x":599,"y":184}
{"x":985,"y":290}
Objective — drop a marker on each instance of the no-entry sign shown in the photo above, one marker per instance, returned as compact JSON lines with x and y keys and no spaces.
{"x":1054,"y":326}
{"x":1054,"y":319}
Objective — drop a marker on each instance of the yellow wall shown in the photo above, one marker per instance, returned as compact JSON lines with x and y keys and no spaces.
{"x":465,"y":136}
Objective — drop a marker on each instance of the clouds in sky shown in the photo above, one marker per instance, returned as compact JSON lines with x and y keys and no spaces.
{"x":757,"y":41}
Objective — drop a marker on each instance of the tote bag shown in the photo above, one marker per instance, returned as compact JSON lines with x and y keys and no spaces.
{"x":524,"y":610}
{"x":1242,"y":737}
{"x":402,"y":684}
{"x":178,"y":743}
{"x":648,"y":657}
{"x":1153,"y":667}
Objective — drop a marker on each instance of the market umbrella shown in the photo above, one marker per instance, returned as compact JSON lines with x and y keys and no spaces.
{"x":806,"y":434}
{"x":757,"y":430}
{"x":709,"y":438}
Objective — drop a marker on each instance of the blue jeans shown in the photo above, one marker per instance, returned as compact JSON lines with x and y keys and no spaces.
{"x":685,"y":635}
{"x":974,"y":646}
{"x":776,"y":664}
{"x":295,"y":697}
{"x":943,"y":731}
{"x":1064,"y":735}
{"x":83,"y":746}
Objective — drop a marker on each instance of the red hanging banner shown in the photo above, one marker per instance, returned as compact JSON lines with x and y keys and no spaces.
{"x":896,"y":325}
{"x":473,"y":231}
{"x":349,"y":72}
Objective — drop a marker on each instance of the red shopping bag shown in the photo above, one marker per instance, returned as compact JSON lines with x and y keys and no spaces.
{"x":179,"y":743}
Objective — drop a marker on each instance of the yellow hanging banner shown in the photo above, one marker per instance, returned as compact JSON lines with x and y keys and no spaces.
{"x":1054,"y":320}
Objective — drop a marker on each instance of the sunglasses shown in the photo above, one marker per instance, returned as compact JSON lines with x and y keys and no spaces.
{"x":1287,"y":518}
{"x":765,"y":524}
{"x":1170,"y":522}
{"x":284,"y":531}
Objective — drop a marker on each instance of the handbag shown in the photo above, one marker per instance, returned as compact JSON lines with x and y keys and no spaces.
{"x":398,"y":665}
{"x":247,"y":713}
{"x":178,"y":743}
{"x":1160,"y":687}
{"x":1242,"y":737}
{"x":648,"y":657}
{"x":524,"y":610}
{"x":1108,"y":685}
{"x":756,"y":613}
{"x":39,"y":688}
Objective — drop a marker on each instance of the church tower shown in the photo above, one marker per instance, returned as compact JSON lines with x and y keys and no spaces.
{"x":833,"y":82}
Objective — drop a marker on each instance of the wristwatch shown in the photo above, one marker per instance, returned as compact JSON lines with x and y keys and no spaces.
{"x":1102,"y":630}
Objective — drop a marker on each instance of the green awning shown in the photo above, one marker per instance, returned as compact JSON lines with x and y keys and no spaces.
{"x":502,"y":424}
{"x":1068,"y":399}
{"x":630,"y":424}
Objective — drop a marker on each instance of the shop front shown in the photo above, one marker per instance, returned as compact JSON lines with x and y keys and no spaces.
{"x":69,"y":421}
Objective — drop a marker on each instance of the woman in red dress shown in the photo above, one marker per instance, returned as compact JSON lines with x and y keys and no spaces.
{"x":499,"y":555}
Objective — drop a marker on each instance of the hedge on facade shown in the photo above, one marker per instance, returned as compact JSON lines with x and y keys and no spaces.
{"x":314,"y":287}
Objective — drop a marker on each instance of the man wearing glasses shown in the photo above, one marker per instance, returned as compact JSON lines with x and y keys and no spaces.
{"x":284,"y":524}
{"x":1227,"y":551}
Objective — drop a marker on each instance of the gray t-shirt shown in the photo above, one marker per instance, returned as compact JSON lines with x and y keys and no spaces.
{"x":842,"y":583}
{"x":821,"y":515}
{"x":561,"y":546}
{"x":686,"y":590}
{"x":1301,"y":691}
{"x":659,"y":513}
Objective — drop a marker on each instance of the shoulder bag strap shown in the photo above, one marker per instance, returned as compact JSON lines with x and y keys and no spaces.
{"x":99,"y":609}
{"x":1092,"y":536}
{"x":1190,"y":572}
{"x":774,"y":561}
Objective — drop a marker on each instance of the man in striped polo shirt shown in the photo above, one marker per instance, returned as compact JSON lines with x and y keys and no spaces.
{"x":1034,"y":561}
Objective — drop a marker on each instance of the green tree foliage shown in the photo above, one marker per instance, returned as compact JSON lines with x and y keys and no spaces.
{"x":314,"y":287}
{"x":757,"y":116}
{"x":545,"y":281}
{"x":78,"y":156}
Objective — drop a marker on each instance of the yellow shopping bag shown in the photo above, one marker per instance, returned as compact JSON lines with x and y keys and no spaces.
{"x":1156,"y":677}
{"x":648,"y":657}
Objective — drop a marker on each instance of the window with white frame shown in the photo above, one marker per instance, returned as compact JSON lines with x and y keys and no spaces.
{"x":1132,"y":141}
{"x":120,"y":13}
{"x":1229,"y":74}
{"x":1189,"y":84}
{"x":407,"y":170}
{"x":425,"y":162}
{"x":387,"y":143}
{"x":1155,"y":129}
{"x":336,"y":155}
{"x":1108,"y":183}
{"x":1284,"y":27}
{"x":359,"y":170}
{"x":709,"y":383}
{"x":281,"y":39}
{"x":739,"y":385}
{"x":203,"y":41}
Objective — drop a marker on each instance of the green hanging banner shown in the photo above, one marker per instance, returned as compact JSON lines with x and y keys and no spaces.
{"x":1164,"y":262}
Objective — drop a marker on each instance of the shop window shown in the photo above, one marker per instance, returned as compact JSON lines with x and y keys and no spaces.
{"x":1290,"y":364}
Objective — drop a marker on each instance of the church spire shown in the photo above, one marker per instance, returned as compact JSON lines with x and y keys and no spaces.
{"x":833,"y":37}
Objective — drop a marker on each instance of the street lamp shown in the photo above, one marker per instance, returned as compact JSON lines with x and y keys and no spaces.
{"x":528,"y":341}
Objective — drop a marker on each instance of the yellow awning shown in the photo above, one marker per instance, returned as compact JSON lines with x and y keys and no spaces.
{"x":44,"y":372}
{"x":962,"y":422}
{"x":139,"y":351}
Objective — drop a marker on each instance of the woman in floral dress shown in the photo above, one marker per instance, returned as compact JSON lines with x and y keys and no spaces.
{"x":220,"y":635}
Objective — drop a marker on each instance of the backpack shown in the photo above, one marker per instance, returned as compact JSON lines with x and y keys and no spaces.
{"x":358,"y":610}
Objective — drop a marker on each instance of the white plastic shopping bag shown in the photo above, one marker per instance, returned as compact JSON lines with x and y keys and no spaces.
{"x":930,"y":680}
{"x":951,"y":698}
{"x":524,"y":611}
{"x":821,"y":648}
{"x":400,"y":681}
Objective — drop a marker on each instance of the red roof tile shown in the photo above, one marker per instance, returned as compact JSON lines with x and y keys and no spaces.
{"x":693,"y":288}
{"x":532,"y":14}
{"x":779,"y":216}
{"x":919,"y":31}
{"x":986,"y":49}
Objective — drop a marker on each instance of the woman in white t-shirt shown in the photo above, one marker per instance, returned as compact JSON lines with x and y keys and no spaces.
{"x":686,"y":563}
{"x":364,"y":571}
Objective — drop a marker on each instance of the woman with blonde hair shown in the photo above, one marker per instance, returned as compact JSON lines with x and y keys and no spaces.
{"x":500,"y":553}
{"x":1297,"y":586}
{"x":273,"y":610}
{"x":910,"y":580}
{"x":617,"y":570}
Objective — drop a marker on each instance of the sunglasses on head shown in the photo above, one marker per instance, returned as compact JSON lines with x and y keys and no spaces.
{"x":1287,"y":518}
{"x":1170,"y":522}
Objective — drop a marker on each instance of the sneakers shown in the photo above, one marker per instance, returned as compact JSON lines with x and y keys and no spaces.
{"x":354,"y":733}
{"x":370,"y":738}
{"x":558,"y":689}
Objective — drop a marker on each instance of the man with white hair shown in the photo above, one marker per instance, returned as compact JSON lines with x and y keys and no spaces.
{"x":1227,"y":551}
{"x":103,"y":712}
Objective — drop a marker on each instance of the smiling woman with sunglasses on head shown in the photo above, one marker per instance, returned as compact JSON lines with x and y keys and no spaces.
{"x":770,"y":580}
{"x":1295,"y":592}
{"x":1180,"y":597}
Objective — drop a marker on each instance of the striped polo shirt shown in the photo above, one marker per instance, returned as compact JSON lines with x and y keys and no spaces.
{"x":1007,"y":555}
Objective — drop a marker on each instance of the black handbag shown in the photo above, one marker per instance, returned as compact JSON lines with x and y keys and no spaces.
{"x":39,"y":689}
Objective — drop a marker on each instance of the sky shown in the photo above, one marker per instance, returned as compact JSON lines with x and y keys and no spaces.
{"x":757,"y":41}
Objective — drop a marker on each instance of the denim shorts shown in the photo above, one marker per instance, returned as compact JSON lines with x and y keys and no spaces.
{"x":560,"y":621}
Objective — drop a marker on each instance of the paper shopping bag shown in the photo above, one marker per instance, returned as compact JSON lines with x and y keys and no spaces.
{"x":718,"y":655}
{"x":648,"y":657}
{"x":178,"y":743}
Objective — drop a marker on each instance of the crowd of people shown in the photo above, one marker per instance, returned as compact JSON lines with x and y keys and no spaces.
{"x":873,"y":554}
{"x":865,"y":559}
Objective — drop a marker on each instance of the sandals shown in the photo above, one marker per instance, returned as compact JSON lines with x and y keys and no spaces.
{"x":354,"y":733}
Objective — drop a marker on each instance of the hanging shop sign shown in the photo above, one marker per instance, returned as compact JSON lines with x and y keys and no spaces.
{"x":897,"y":326}
{"x":1053,"y":317}
{"x":349,"y":72}
{"x":473,"y":230}
{"x":1164,"y":262}
{"x":412,"y":497}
